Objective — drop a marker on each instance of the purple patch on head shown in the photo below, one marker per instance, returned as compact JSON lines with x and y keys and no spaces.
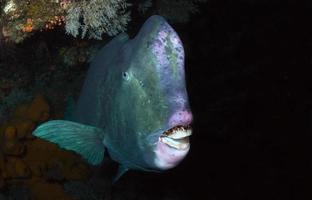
{"x":165,"y":46}
{"x":182,"y":117}
{"x":180,"y":100}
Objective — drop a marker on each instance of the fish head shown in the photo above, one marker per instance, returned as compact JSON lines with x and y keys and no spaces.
{"x":155,"y":100}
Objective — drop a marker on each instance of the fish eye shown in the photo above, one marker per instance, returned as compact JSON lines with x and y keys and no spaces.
{"x":125,"y":76}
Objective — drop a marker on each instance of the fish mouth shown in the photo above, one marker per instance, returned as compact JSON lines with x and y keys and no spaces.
{"x":177,"y":137}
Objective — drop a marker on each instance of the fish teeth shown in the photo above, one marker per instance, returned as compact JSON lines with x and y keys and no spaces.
{"x":177,"y":144}
{"x":177,"y":137}
{"x":180,"y":133}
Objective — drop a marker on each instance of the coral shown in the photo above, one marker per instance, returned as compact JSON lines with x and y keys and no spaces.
{"x":13,"y":90}
{"x":78,"y":54}
{"x":15,"y":97}
{"x":72,"y":24}
{"x":23,"y":18}
{"x":38,"y":110}
{"x":48,"y":191}
{"x":32,"y":162}
{"x":19,"y":192}
{"x":98,"y":16}
{"x":10,"y":144}
{"x":16,"y":168}
{"x":91,"y":18}
{"x":23,"y":127}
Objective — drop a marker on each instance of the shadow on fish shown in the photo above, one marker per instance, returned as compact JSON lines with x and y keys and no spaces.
{"x":133,"y":104}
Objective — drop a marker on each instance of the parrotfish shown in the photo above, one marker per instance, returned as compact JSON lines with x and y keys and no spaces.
{"x":133,"y":104}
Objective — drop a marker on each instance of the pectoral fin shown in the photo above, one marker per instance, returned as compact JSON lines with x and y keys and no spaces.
{"x":83,"y":139}
{"x":121,"y":171}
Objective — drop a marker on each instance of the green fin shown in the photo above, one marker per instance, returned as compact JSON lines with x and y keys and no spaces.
{"x":122,"y":169}
{"x":83,"y":139}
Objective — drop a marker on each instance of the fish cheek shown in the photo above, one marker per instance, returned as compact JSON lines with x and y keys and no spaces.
{"x":144,"y":103}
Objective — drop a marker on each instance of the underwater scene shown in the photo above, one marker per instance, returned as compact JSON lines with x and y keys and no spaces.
{"x":154,"y":100}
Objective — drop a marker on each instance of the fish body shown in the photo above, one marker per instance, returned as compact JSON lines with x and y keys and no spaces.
{"x":133,"y":103}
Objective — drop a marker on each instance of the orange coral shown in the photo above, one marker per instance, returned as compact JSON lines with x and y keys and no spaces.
{"x":10,"y":133}
{"x":26,"y":159}
{"x":38,"y":109}
{"x":16,"y":168}
{"x":48,"y":191}
{"x":23,"y":127}
{"x":29,"y":26}
{"x":65,"y":4}
{"x":56,"y":21}
{"x":10,"y":144}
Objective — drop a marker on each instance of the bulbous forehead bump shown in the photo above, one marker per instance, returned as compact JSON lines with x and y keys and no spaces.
{"x":168,"y":50}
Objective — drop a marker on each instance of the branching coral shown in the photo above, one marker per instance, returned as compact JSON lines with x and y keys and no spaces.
{"x":83,"y":18}
{"x":98,"y":17}
{"x":92,"y":18}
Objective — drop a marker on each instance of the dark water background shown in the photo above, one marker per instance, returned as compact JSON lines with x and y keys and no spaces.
{"x":249,"y":79}
{"x":250,"y":89}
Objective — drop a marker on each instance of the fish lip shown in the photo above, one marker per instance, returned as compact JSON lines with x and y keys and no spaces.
{"x":177,"y":137}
